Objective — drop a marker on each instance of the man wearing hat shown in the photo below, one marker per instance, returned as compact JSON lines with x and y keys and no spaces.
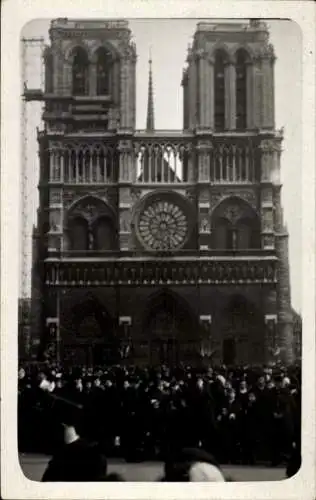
{"x":192,"y":465}
{"x":76,"y":459}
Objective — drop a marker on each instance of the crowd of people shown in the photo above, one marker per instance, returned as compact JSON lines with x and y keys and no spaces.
{"x":241,"y":415}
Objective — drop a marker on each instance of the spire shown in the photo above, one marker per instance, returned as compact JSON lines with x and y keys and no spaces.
{"x":150,"y":106}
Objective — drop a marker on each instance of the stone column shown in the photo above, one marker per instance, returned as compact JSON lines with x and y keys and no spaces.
{"x":266,"y":202}
{"x":192,"y":90}
{"x":132,"y":121}
{"x":192,"y":160}
{"x":206,"y":340}
{"x":93,"y":79}
{"x":203,"y":158}
{"x":202,"y":91}
{"x":210,"y":112}
{"x":116,"y":81}
{"x":285,"y":314}
{"x":257,"y":92}
{"x":51,"y":164}
{"x":124,"y":98}
{"x":267,"y":108}
{"x":185,"y":104}
{"x":250,"y":96}
{"x":203,"y":150}
{"x":56,"y":223}
{"x":56,"y":69}
{"x":270,"y":320}
{"x":67,"y":78}
{"x":51,"y":342}
{"x":230,"y":96}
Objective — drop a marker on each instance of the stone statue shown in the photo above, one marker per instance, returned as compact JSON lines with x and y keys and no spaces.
{"x":91,"y":240}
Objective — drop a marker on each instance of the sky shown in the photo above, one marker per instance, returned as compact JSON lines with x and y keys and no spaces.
{"x":168,"y":40}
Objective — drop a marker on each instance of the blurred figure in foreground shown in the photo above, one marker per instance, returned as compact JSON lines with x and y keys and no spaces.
{"x":192,"y":465}
{"x":76,"y":460}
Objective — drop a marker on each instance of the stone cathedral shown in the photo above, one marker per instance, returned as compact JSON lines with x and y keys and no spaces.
{"x":160,"y":246}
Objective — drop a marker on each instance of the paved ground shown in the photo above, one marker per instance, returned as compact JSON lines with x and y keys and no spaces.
{"x":33,"y":467}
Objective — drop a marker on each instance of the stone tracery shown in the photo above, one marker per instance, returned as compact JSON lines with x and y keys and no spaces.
{"x":163,"y":226}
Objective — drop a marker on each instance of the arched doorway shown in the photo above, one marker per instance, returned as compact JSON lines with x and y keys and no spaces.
{"x":242,"y":332}
{"x":171,"y":330}
{"x":94,"y":342}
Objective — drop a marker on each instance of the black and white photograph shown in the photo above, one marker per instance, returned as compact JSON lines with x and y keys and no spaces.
{"x":160,"y":292}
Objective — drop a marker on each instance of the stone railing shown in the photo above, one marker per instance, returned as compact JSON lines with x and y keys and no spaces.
{"x":161,"y":272}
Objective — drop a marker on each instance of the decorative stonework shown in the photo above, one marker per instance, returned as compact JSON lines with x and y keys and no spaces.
{"x":153,"y":272}
{"x":270,"y":146}
{"x":71,"y":196}
{"x":125,"y":221}
{"x":266,"y":196}
{"x":55,"y":196}
{"x":163,"y":226}
{"x":55,"y":224}
{"x":204,"y":195}
{"x":190,"y":194}
{"x":247,"y":195}
{"x":54,"y":242}
{"x":267,"y":220}
{"x":233,"y":213}
{"x":268,"y":241}
{"x":90,"y":209}
{"x":205,"y":225}
{"x":135,"y":193}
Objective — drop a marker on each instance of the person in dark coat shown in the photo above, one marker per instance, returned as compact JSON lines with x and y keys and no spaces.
{"x":249,"y":430}
{"x":192,"y":465}
{"x":203,"y":420}
{"x":234,"y":413}
{"x":282,"y":430}
{"x":76,"y":460}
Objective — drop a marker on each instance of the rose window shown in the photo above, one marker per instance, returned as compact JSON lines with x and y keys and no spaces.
{"x":163,"y":226}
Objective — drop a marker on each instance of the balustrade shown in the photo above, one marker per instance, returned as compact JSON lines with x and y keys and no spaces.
{"x":232,"y":164}
{"x":83,"y":165}
{"x":156,"y":163}
{"x":153,"y":272}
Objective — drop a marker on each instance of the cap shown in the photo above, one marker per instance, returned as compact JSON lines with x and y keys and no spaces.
{"x":178,"y":466}
{"x":205,"y":472}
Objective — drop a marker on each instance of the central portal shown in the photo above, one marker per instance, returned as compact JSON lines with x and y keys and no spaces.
{"x":170,"y":331}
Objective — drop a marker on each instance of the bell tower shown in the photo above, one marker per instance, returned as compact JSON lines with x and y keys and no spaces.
{"x":228,"y":89}
{"x":229,"y":80}
{"x":93,"y":62}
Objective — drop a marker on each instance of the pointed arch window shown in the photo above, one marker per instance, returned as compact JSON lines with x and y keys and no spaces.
{"x":241,"y":89}
{"x":80,"y":68}
{"x":103,"y":71}
{"x":219,"y":90}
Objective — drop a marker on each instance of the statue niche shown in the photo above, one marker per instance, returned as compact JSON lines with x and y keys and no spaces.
{"x":91,"y":226}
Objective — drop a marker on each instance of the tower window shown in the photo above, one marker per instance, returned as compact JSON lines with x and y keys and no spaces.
{"x":80,"y":72}
{"x":241,"y":90}
{"x":103,"y":71}
{"x":219,"y":90}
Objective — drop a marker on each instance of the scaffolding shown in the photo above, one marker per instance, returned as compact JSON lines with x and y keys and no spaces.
{"x":29,"y":95}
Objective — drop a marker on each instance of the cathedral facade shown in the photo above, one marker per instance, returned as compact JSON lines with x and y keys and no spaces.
{"x":158,"y":246}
